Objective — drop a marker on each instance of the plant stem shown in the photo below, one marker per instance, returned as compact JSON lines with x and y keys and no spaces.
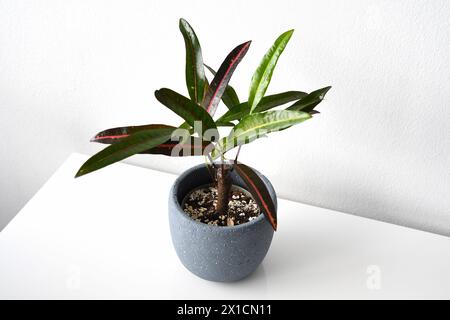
{"x":211,"y":160}
{"x":210,"y":168}
{"x":237,"y":154}
{"x":223,"y":184}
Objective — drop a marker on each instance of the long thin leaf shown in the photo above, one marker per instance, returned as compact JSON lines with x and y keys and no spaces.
{"x":259,"y":191}
{"x":138,"y":142}
{"x":113,"y":135}
{"x":254,"y":126}
{"x":263,"y":74}
{"x":192,"y":146}
{"x":195,"y":73}
{"x":184,"y":125}
{"x":265,"y":104}
{"x":185,"y":108}
{"x":309,"y":102}
{"x":223,"y":76}
{"x":229,"y":96}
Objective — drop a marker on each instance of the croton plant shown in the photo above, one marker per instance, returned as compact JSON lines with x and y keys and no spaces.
{"x":199,"y":135}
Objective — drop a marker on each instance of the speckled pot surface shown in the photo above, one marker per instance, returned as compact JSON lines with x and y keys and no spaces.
{"x":211,"y":252}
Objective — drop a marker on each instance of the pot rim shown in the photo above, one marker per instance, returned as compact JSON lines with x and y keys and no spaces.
{"x":184,"y":215}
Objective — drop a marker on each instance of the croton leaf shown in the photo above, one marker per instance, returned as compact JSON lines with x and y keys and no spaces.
{"x":263,"y":74}
{"x":266,"y":103}
{"x":194,"y":146}
{"x":195,"y":73}
{"x":223,"y":76}
{"x":225,"y":124}
{"x":185,"y":125}
{"x":256,"y":125}
{"x":229,"y":96}
{"x":310,"y":101}
{"x":259,"y":191}
{"x":136,"y":143}
{"x":113,"y":135}
{"x":191,"y":146}
{"x":185,"y":108}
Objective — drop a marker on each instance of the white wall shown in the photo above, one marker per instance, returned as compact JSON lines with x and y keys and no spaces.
{"x":379,"y":149}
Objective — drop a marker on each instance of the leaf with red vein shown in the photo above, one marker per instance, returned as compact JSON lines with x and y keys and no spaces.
{"x":229,"y":96}
{"x":223,"y":76}
{"x":112,"y":135}
{"x":193,"y":147}
{"x":259,"y":191}
{"x":133,"y":144}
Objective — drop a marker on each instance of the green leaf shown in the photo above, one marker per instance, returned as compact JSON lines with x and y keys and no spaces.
{"x":185,"y":108}
{"x":225,"y":124}
{"x":193,"y":146}
{"x":114,"y":135}
{"x":186,"y":146}
{"x":136,"y":143}
{"x":265,"y":104}
{"x":184,"y":125}
{"x":310,"y":101}
{"x":254,"y":126}
{"x":263,"y":74}
{"x":195,"y":73}
{"x":229,"y":97}
{"x":258,"y":189}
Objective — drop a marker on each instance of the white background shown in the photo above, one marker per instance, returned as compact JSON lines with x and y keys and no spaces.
{"x":315,"y":254}
{"x":379,"y":149}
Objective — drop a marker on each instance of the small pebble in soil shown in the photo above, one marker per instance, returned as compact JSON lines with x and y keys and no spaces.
{"x":201,"y":204}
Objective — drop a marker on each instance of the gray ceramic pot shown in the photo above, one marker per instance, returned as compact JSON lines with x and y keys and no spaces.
{"x":211,"y":252}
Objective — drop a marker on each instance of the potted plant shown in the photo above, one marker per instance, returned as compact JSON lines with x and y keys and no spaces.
{"x":222,"y":213}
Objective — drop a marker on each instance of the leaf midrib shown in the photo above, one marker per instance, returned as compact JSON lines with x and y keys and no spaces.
{"x":266,"y":70}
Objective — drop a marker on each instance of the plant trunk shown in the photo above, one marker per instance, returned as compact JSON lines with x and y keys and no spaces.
{"x":223,"y":184}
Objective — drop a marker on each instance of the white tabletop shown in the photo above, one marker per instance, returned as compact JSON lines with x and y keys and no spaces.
{"x":106,"y":235}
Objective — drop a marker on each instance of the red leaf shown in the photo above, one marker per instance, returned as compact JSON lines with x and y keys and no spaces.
{"x":259,"y":191}
{"x":116,"y":134}
{"x":223,"y":76}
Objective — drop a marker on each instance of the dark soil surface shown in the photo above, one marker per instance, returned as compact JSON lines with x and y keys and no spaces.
{"x":201,"y":204}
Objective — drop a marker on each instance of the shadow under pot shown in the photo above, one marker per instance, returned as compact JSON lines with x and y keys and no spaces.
{"x":217,"y":253}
